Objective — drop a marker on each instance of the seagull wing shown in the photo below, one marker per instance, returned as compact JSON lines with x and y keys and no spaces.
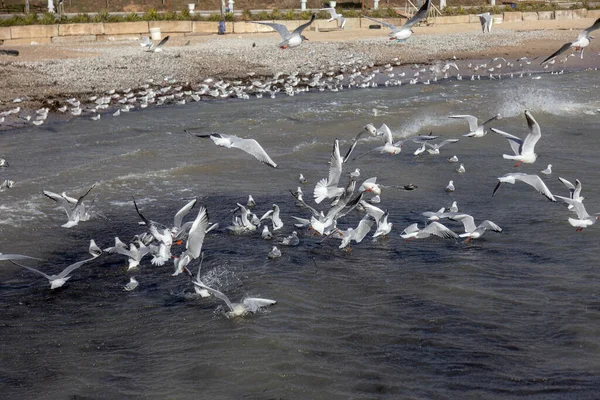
{"x":470,"y":119}
{"x":160,"y":44}
{"x":182,"y":213}
{"x":61,"y":202}
{"x":281,"y":29}
{"x":447,"y":141}
{"x":32,"y":270}
{"x":302,"y":27}
{"x":387,"y":134}
{"x":534,"y":134}
{"x":515,"y":142}
{"x":495,"y":117}
{"x":569,"y":186}
{"x":537,"y":183}
{"x":197,"y":233}
{"x":577,"y":206}
{"x":419,"y":15}
{"x":215,"y":293}
{"x":586,"y":32}
{"x":489,"y":225}
{"x":363,"y":228}
{"x":394,"y":28}
{"x":372,"y":210}
{"x":94,"y":251}
{"x":435,"y":228}
{"x":335,"y":165}
{"x":253,"y":304}
{"x":253,"y":148}
{"x":9,"y":257}
{"x":577,"y":191}
{"x":558,"y":52}
{"x":467,"y":220}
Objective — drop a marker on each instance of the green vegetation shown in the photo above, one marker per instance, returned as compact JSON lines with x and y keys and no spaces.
{"x":275,"y":14}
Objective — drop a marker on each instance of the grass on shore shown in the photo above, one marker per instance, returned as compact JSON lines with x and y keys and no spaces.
{"x":184,"y":15}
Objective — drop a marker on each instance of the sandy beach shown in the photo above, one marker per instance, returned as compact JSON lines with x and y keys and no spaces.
{"x":45,"y":75}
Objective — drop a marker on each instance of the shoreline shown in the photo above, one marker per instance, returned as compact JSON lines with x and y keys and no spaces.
{"x":48,"y":75}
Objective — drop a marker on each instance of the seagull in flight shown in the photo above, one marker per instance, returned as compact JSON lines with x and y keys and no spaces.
{"x":250,"y":146}
{"x":476,"y":130}
{"x":574,"y":190}
{"x":582,"y":41}
{"x":486,"y":20}
{"x":523,"y":148}
{"x":153,"y":46}
{"x":288,"y":39}
{"x":334,"y":16}
{"x":532,"y":180}
{"x":59,"y":280}
{"x":434,"y":228}
{"x":473,"y":231}
{"x":75,"y":213}
{"x":403,"y":33}
{"x":583,"y":219}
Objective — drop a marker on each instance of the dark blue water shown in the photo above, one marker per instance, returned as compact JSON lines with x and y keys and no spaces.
{"x":512,"y":315}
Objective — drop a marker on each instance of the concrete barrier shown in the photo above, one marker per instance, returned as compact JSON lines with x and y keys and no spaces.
{"x":210,"y":27}
{"x":74,"y":39}
{"x":560,"y":15}
{"x":80,"y":29}
{"x":171,"y":26}
{"x":118,"y":38}
{"x":512,"y":16}
{"x":453,"y":19}
{"x":249,"y":27}
{"x":352,"y":23}
{"x":580,"y":13}
{"x":545,"y":15}
{"x":33,"y":31}
{"x":4,"y":33}
{"x":595,"y":14}
{"x":529,"y":16}
{"x":365,"y":22}
{"x":126,"y":28}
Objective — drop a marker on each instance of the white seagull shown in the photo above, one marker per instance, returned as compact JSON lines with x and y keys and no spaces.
{"x":153,"y":46}
{"x":523,"y":148}
{"x":473,"y":231}
{"x":288,"y":39}
{"x":583,"y":219}
{"x":486,"y":20}
{"x":583,"y":40}
{"x":476,"y":130}
{"x":75,"y":213}
{"x":250,"y":146}
{"x":335,"y":16}
{"x":327,"y":188}
{"x":194,"y":242}
{"x":57,"y":281}
{"x":134,"y":253}
{"x":403,"y":33}
{"x":434,"y":228}
{"x":532,"y":180}
{"x":249,"y":305}
{"x":574,"y":190}
{"x":548,"y":170}
{"x":274,"y":216}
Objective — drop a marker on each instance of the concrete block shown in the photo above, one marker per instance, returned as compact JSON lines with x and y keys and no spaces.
{"x":74,"y":39}
{"x":594,"y":14}
{"x":529,"y":16}
{"x":352,"y":23}
{"x":126,"y":28}
{"x":4,"y":33}
{"x":454,"y":19}
{"x":118,"y":38}
{"x":512,"y":16}
{"x":474,"y":19}
{"x":171,"y":26}
{"x":28,"y":41}
{"x":563,"y":14}
{"x":579,"y":13}
{"x":545,"y":15}
{"x":365,"y":22}
{"x":80,"y":29}
{"x":33,"y":31}
{"x":209,"y":27}
{"x":250,"y":27}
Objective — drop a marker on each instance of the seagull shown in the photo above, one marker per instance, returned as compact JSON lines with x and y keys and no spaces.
{"x":134,"y":253}
{"x":335,"y":16}
{"x":450,"y":187}
{"x":476,"y":130}
{"x":435,"y":148}
{"x":434,"y":228}
{"x":574,"y":190}
{"x":389,"y":146}
{"x":194,"y":242}
{"x":131,"y":285}
{"x":249,"y":305}
{"x":251,"y":202}
{"x":472,"y":231}
{"x":434,"y":215}
{"x":368,"y":131}
{"x":179,"y":229}
{"x":532,"y":180}
{"x":76,"y":213}
{"x":266,"y":234}
{"x":403,"y":33}
{"x":154,"y":47}
{"x":274,"y":253}
{"x":383,"y":226}
{"x":548,"y":170}
{"x":486,"y":20}
{"x":523,"y":148}
{"x":273,"y":215}
{"x":461,"y":169}
{"x":453,"y":159}
{"x":288,"y":39}
{"x":357,"y":234}
{"x":291,"y":240}
{"x":327,"y":188}
{"x":59,"y":280}
{"x":583,"y":40}
{"x":583,"y":218}
{"x":250,"y":146}
{"x":454,"y":207}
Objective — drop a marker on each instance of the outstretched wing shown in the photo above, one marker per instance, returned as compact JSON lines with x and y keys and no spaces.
{"x":534,"y":133}
{"x":302,"y":27}
{"x":515,"y":142}
{"x":536,"y":182}
{"x":437,"y":229}
{"x":197,"y":233}
{"x":470,"y":119}
{"x":558,"y":52}
{"x":586,"y":32}
{"x":183,"y":212}
{"x":421,"y":14}
{"x":281,"y":29}
{"x":577,"y":206}
{"x":394,"y":28}
{"x":32,"y":270}
{"x":215,"y":293}
{"x":253,"y":148}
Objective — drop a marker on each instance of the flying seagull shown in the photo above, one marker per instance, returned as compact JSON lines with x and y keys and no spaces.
{"x":250,"y":146}
{"x":486,"y":20}
{"x":334,"y":16}
{"x":74,"y":213}
{"x":523,"y":148}
{"x":583,"y":40}
{"x":475,"y":130}
{"x":403,"y":33}
{"x":57,"y":281}
{"x":289,"y":39}
{"x":532,"y":180}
